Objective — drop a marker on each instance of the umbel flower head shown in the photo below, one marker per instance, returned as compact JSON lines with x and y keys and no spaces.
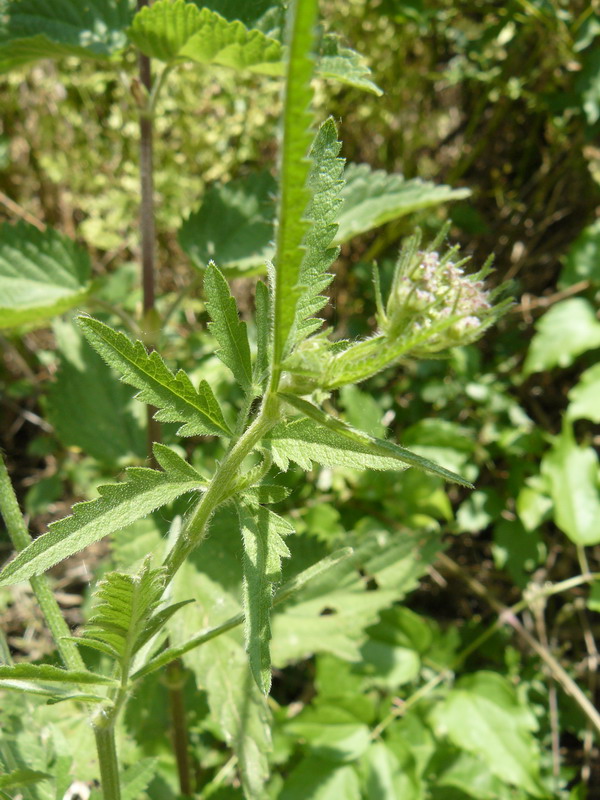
{"x":432,"y":302}
{"x":433,"y":305}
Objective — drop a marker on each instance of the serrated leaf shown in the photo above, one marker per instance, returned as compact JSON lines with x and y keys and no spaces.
{"x":498,"y":730}
{"x":179,"y":31}
{"x":301,"y":628}
{"x":143,"y":491}
{"x":331,"y":442}
{"x":294,"y":169}
{"x":41,"y":274}
{"x":175,"y":465}
{"x":574,"y":479}
{"x":227,"y":328}
{"x":265,"y":494}
{"x":137,"y":777}
{"x":374,"y":197}
{"x":82,"y":401}
{"x":344,"y":65}
{"x":21,"y":777}
{"x":323,"y":183}
{"x":48,"y":674}
{"x":234,"y":225}
{"x":568,"y":329}
{"x":123,"y":612}
{"x":174,"y":395}
{"x":33,"y":29}
{"x":262,"y":532}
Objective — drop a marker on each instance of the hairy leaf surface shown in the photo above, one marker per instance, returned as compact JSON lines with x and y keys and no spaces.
{"x":331,"y":442}
{"x":227,"y":328}
{"x":344,"y":65}
{"x":180,"y":31}
{"x":143,"y":491}
{"x":373,"y":197}
{"x":37,"y":29}
{"x":46,"y":673}
{"x":174,"y":395}
{"x":41,"y":274}
{"x":262,"y":533}
{"x":294,"y":169}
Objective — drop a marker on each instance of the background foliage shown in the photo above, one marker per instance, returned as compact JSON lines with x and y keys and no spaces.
{"x":380,"y":660}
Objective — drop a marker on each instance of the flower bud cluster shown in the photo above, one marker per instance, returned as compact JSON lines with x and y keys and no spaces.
{"x":435,"y":303}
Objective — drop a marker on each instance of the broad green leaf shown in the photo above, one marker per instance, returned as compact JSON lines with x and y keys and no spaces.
{"x":227,"y":328}
{"x":573,"y":475}
{"x":143,"y":491}
{"x":238,"y":710}
{"x":41,"y":274}
{"x":320,"y":779}
{"x":330,"y":442}
{"x":564,"y":332}
{"x":323,"y":182}
{"x":330,"y":613}
{"x":484,"y":716}
{"x":386,"y":778}
{"x":137,"y":777}
{"x":294,"y":168}
{"x":34,"y":29}
{"x":362,"y":411}
{"x":331,"y":732}
{"x":582,"y":261}
{"x":371,"y":198}
{"x":584,"y":397}
{"x":468,"y":774}
{"x":46,"y":673}
{"x":262,"y":533}
{"x":21,"y":777}
{"x":234,"y":225}
{"x":174,"y":395}
{"x":344,"y":65}
{"x":247,"y":12}
{"x":84,"y":397}
{"x":179,"y":31}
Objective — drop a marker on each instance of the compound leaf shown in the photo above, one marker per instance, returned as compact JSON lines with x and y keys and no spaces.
{"x":143,"y":491}
{"x":41,"y":274}
{"x":227,"y":328}
{"x":373,"y":197}
{"x":262,"y":533}
{"x":37,"y":29}
{"x":174,"y":395}
{"x":331,"y":442}
{"x":180,"y":31}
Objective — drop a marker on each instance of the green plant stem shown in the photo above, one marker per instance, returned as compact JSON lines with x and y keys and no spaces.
{"x":175,"y":684}
{"x":107,"y":757}
{"x":20,"y":538}
{"x":221,"y":484}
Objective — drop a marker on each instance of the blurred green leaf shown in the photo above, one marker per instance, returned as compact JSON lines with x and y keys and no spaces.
{"x":33,"y":30}
{"x":582,"y":261}
{"x":344,"y":65}
{"x":330,"y":732}
{"x":584,"y":397}
{"x":572,"y":472}
{"x":319,"y":779}
{"x":564,"y":332}
{"x":41,"y":274}
{"x":87,"y":404}
{"x":386,"y":777}
{"x":362,"y":411}
{"x":517,"y":550}
{"x":373,"y":197}
{"x":484,"y":716}
{"x":21,"y":777}
{"x":179,"y":31}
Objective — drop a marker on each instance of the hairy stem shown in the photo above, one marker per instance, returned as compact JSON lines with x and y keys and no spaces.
{"x":221,"y":484}
{"x":20,"y":538}
{"x":109,"y":765}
